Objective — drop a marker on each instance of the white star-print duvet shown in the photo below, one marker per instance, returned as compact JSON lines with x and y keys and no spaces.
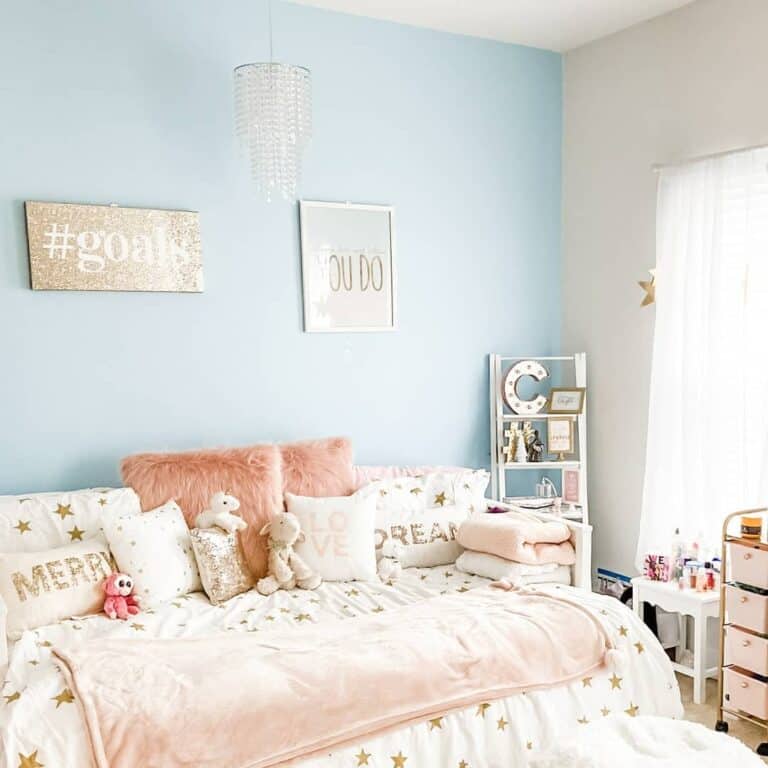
{"x":41,"y":725}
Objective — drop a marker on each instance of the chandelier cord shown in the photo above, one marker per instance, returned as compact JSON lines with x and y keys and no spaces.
{"x":269,"y":14}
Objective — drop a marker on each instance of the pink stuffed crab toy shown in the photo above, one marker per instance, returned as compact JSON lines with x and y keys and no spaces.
{"x":120,"y":603}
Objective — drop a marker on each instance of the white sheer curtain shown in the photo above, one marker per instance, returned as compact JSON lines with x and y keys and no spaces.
{"x":707,"y":451}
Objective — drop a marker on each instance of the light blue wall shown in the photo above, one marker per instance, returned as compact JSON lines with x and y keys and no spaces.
{"x":131,"y":102}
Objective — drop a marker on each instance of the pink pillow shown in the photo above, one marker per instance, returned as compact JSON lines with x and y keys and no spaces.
{"x":318,"y":467}
{"x":251,"y":474}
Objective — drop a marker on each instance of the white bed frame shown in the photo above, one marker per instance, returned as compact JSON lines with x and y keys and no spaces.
{"x":581,"y":538}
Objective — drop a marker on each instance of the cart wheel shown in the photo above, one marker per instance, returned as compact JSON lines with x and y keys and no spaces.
{"x":722,"y":726}
{"x":762,"y":749}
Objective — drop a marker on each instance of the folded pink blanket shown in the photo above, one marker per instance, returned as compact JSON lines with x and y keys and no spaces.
{"x":245,"y":700}
{"x":518,"y":537}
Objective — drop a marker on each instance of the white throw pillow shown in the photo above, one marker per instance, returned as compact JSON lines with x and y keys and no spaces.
{"x":40,"y":588}
{"x":156,"y":550}
{"x":423,"y":513}
{"x":38,"y":521}
{"x":338,"y":535}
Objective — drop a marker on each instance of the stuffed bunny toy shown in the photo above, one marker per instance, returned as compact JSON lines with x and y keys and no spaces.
{"x":119,"y":603}
{"x":286,"y":569}
{"x":220,"y":513}
{"x":389,"y":567}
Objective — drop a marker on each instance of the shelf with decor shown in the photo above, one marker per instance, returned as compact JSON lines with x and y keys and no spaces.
{"x":538,"y":419}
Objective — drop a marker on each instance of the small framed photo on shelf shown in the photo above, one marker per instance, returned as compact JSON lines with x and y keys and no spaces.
{"x":560,"y":437}
{"x":567,"y":399}
{"x":571,"y":486}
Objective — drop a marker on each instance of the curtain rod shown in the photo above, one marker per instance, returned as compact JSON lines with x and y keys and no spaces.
{"x":656,"y":167}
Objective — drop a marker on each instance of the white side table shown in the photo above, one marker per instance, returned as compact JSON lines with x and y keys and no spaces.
{"x":700,"y":606}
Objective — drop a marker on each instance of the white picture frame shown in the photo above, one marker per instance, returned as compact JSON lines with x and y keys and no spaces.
{"x":347,"y":267}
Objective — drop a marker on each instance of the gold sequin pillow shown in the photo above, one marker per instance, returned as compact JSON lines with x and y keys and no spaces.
{"x":41,"y":588}
{"x":221,"y":563}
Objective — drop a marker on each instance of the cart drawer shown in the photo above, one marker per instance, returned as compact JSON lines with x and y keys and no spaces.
{"x":749,"y":565}
{"x":745,"y":693}
{"x":747,"y":609}
{"x":747,"y":651}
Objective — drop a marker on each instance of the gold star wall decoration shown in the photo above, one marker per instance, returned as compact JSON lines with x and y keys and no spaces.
{"x":65,"y":697}
{"x":362,"y":757}
{"x":649,"y":286}
{"x":501,"y":724}
{"x":22,"y":526}
{"x":63,"y":510}
{"x":29,"y":761}
{"x":615,"y":682}
{"x":398,"y":760}
{"x":436,"y":722}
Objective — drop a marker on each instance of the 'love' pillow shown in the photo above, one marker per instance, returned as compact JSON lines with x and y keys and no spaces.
{"x":338,"y":535}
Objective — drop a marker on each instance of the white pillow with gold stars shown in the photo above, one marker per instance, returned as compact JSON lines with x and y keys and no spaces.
{"x":423,"y":514}
{"x":38,"y":521}
{"x":40,"y":588}
{"x":156,"y":550}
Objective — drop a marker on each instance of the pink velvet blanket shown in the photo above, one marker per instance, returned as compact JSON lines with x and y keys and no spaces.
{"x":245,"y":700}
{"x":518,"y":537}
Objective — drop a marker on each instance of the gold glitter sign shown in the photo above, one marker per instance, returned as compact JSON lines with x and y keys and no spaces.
{"x":108,"y":248}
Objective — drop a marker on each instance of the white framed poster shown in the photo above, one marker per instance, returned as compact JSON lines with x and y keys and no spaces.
{"x":347,"y":266}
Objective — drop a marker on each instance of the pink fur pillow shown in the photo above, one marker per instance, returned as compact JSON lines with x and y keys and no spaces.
{"x":251,"y":474}
{"x":318,"y":467}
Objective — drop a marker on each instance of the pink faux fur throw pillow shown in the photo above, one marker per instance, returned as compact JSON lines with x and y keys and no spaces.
{"x":318,"y":467}
{"x":251,"y":474}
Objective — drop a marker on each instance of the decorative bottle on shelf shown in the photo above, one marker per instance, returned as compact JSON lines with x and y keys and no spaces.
{"x":521,"y":451}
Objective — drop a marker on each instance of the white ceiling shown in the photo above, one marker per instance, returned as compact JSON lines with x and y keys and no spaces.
{"x":558,"y":25}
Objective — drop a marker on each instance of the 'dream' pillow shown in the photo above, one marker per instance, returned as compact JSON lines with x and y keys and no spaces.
{"x":338,"y":535}
{"x":423,"y":514}
{"x":41,"y":588}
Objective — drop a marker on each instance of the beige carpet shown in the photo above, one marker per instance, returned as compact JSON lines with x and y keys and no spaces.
{"x":750,"y":734}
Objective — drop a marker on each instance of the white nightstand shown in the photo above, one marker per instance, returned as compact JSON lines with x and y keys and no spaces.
{"x":700,"y":606}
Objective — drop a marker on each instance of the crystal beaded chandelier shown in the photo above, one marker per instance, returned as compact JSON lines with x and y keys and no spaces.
{"x":273,"y":121}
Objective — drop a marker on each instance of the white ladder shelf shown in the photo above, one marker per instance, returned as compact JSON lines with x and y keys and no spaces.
{"x":501,"y":415}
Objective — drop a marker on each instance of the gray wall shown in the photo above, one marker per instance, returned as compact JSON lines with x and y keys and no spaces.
{"x":689,"y":83}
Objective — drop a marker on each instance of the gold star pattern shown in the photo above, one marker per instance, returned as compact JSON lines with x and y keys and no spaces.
{"x":269,"y":618}
{"x":632,"y":710}
{"x":481,"y":709}
{"x":10,"y":698}
{"x":303,"y":617}
{"x":586,"y":682}
{"x":462,"y":589}
{"x":362,"y":757}
{"x":649,"y":286}
{"x":138,"y":627}
{"x":29,"y":761}
{"x":605,"y":711}
{"x":22,"y":526}
{"x":378,"y":609}
{"x":615,"y":682}
{"x":529,"y":745}
{"x":463,"y":764}
{"x":398,"y":760}
{"x":440,"y":499}
{"x":75,"y":534}
{"x":582,"y":720}
{"x":352,"y":593}
{"x":623,"y":631}
{"x":65,"y":697}
{"x":436,"y":722}
{"x":639,"y":647}
{"x":501,"y":724}
{"x":416,"y":491}
{"x":102,"y":501}
{"x":63,"y":510}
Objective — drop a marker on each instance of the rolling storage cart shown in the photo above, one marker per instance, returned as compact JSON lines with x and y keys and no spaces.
{"x":743,"y":676}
